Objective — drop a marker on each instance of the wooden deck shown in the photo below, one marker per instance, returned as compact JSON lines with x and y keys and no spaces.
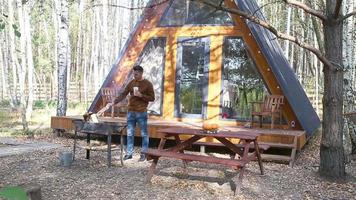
{"x":277,"y":136}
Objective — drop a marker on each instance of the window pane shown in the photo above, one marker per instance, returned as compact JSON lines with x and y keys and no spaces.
{"x":152,"y":61}
{"x":192,"y":70}
{"x":183,"y":12}
{"x":192,"y":76}
{"x":241,"y":81}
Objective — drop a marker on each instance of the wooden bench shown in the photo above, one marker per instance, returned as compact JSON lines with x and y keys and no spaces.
{"x":155,"y":153}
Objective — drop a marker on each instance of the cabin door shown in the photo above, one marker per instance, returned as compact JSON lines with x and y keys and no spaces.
{"x":192,"y":75}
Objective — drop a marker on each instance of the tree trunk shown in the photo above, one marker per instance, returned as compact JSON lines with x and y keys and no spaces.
{"x":23,"y":67}
{"x":63,"y":57}
{"x":85,"y":82}
{"x":80,"y":40}
{"x":105,"y":46}
{"x":349,"y":90}
{"x":13,"y":61}
{"x":29,"y":56}
{"x":316,"y":30}
{"x":96,"y":48}
{"x":118,"y":27}
{"x":54,"y":75}
{"x":3,"y":67}
{"x":332,"y":161}
{"x":289,"y":20}
{"x":132,"y":16}
{"x":317,"y":76}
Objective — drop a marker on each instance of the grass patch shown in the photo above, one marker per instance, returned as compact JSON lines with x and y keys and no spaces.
{"x":9,"y":118}
{"x":13,"y":192}
{"x":40,"y":122}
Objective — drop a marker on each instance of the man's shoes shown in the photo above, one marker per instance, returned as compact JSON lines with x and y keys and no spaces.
{"x":127,"y":157}
{"x":142,"y":158}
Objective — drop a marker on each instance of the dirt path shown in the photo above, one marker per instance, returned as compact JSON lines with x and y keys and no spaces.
{"x":11,"y":146}
{"x":91,"y":179}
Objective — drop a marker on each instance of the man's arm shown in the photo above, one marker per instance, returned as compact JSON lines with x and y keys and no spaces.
{"x":150,"y":95}
{"x":119,"y":98}
{"x":123,"y":95}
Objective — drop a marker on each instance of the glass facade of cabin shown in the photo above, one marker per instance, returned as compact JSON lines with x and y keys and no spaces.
{"x":240,"y":80}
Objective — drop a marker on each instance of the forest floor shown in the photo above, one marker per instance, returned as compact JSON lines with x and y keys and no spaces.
{"x":92,"y":179}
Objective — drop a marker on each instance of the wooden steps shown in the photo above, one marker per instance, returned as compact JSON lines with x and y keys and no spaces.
{"x":273,"y":157}
{"x":263,"y":147}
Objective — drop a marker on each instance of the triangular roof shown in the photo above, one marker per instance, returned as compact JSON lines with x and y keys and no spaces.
{"x":281,"y":68}
{"x":267,"y":43}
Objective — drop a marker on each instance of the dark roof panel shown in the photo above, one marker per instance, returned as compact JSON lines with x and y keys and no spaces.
{"x":282,"y":70}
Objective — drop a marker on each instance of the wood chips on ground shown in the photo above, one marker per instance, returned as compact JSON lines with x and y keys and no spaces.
{"x":92,"y":179}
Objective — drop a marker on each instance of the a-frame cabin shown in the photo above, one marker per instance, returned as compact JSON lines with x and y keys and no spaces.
{"x":207,"y":65}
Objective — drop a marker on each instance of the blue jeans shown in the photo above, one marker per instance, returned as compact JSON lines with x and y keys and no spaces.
{"x":141,"y":119}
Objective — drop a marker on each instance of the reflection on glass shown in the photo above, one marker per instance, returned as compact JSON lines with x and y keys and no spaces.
{"x":152,"y":61}
{"x":192,"y":12}
{"x":241,"y":82}
{"x":192,"y":76}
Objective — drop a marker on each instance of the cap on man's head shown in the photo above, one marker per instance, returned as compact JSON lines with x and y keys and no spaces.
{"x":138,"y":68}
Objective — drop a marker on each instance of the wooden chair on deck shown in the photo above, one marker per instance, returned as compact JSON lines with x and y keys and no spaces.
{"x":108,"y":95}
{"x":271,"y":106}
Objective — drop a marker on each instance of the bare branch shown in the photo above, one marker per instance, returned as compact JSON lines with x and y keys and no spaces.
{"x":265,"y":5}
{"x":275,"y":32}
{"x":130,"y":8}
{"x":353,"y":13}
{"x":306,"y":8}
{"x":337,"y":9}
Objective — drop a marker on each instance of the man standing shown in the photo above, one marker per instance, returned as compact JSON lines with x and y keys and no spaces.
{"x":141,"y":91}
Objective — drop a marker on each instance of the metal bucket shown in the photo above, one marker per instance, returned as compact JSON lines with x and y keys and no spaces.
{"x":66,"y":159}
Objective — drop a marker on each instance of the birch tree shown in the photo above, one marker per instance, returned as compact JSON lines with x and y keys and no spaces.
{"x":63,"y":55}
{"x":12,"y":57}
{"x":29,"y":57}
{"x":2,"y":67}
{"x":349,"y":80}
{"x":23,"y":66}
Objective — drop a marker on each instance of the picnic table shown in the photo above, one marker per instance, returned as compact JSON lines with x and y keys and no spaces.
{"x":105,"y":128}
{"x":238,"y":161}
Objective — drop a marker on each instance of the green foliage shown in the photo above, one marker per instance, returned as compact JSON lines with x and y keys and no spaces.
{"x":191,"y":99}
{"x":13,"y":193}
{"x":39,"y":104}
{"x":16,"y":31}
{"x":52,"y":103}
{"x":5,"y":103}
{"x":2,"y":25}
